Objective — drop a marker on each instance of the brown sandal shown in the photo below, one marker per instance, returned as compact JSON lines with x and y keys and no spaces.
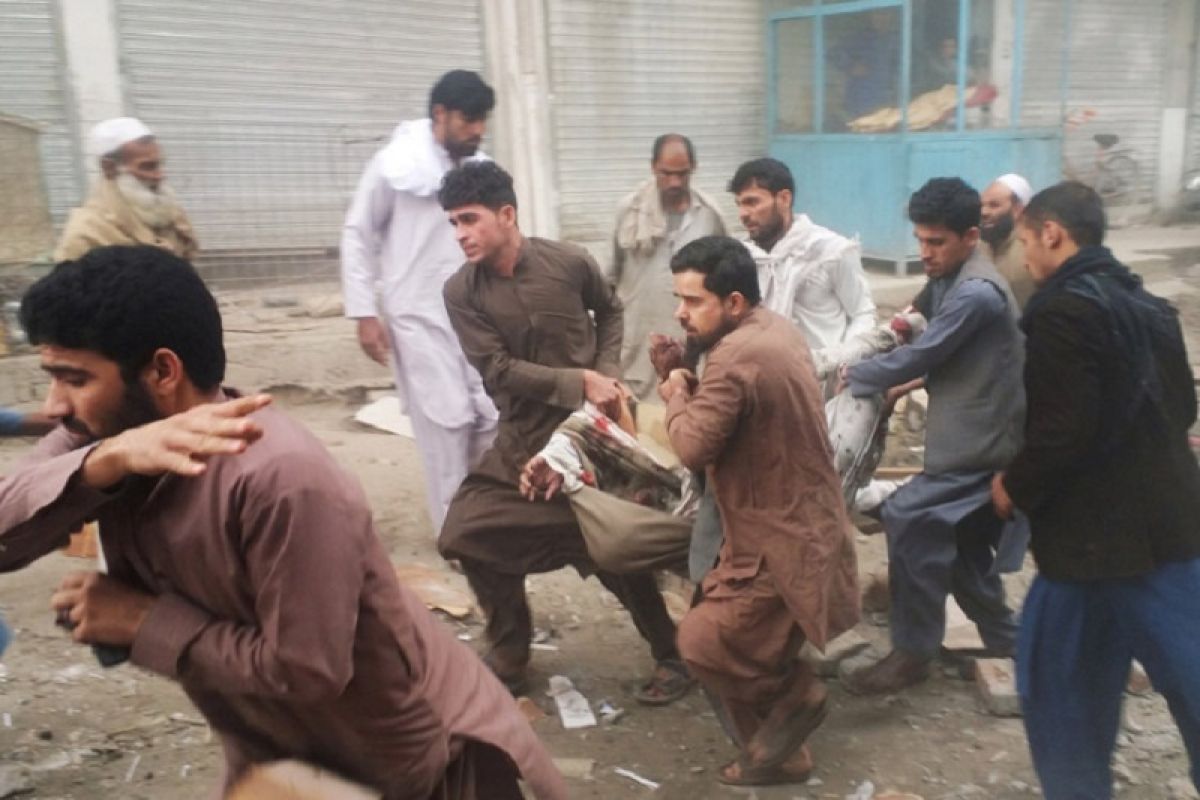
{"x":669,"y":683}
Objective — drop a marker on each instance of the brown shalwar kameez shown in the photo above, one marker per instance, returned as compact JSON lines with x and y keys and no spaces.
{"x":531,"y":337}
{"x":787,"y":567}
{"x":278,"y":611}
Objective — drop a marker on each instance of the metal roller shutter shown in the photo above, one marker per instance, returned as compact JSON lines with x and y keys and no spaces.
{"x":31,"y":86}
{"x":269,"y":109}
{"x":625,"y":71}
{"x":1117,"y":63}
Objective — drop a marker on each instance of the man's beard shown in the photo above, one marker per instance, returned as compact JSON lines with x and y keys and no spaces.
{"x":696,"y":345}
{"x":998,"y":231}
{"x":460,"y":148}
{"x":157,"y":208}
{"x":136,"y":409}
{"x":771,"y":231}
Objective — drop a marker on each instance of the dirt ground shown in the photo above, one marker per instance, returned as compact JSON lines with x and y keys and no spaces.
{"x":71,"y":729}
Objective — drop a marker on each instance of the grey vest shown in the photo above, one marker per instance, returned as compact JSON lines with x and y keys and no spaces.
{"x":977,"y":396}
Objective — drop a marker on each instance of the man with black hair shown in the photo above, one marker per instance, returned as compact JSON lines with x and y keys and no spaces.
{"x":786,"y":571}
{"x":943,"y":535}
{"x":242,"y":561}
{"x":396,"y":242}
{"x":543,"y":327}
{"x":1112,"y":492}
{"x":808,"y":273}
{"x":653,"y":222}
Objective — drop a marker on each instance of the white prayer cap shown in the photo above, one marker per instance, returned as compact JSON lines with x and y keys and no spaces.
{"x":109,"y":136}
{"x":1018,"y":186}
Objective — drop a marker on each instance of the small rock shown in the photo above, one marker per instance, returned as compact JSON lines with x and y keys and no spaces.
{"x":997,"y":686}
{"x":825,"y":664}
{"x":577,"y":768}
{"x":1139,"y":682}
{"x":14,"y":780}
{"x":1181,"y":789}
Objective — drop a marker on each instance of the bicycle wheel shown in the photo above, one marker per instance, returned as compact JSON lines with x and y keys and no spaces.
{"x":1118,"y":177}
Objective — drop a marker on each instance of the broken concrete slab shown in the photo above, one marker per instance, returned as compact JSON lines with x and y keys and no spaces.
{"x":579,"y":769}
{"x":997,"y":683}
{"x":849,"y":644}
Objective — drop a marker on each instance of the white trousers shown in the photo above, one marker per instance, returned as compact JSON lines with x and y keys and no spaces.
{"x":447,"y":455}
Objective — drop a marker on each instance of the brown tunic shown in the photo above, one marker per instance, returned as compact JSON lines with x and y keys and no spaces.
{"x":279,"y":613}
{"x":757,"y":425}
{"x":107,"y":219}
{"x":531,"y":337}
{"x":1009,"y":258}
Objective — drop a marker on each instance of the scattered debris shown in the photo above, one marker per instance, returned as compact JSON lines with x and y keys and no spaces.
{"x":998,"y":686}
{"x":864,"y":791}
{"x":633,"y":776}
{"x":609,"y":713}
{"x":437,"y":589}
{"x":894,"y":795}
{"x":573,"y":708}
{"x":576,"y":768}
{"x":532,"y":711}
{"x":133,"y":765}
{"x":385,"y":414}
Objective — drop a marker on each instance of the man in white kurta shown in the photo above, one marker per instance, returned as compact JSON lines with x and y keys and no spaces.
{"x":653,"y":223}
{"x":397,"y":250}
{"x":807,"y":273}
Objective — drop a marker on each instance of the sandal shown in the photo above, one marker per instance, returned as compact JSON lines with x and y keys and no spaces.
{"x":762,"y":774}
{"x":669,"y":683}
{"x":786,"y":738}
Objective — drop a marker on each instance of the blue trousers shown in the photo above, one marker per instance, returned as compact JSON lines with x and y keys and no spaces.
{"x":1074,"y":649}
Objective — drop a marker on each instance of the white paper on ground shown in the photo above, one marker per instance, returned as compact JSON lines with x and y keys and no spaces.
{"x":385,"y":415}
{"x":573,"y":707}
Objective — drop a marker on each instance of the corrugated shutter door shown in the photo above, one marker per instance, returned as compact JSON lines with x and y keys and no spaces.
{"x":31,"y":86}
{"x":269,"y":109}
{"x":626,"y":71}
{"x":1117,"y":63}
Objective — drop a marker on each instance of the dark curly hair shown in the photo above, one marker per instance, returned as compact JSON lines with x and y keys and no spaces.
{"x":726,"y":264}
{"x":767,"y":173}
{"x":949,"y":202}
{"x":126,"y":302}
{"x":482,"y":183}
{"x":463,"y":90}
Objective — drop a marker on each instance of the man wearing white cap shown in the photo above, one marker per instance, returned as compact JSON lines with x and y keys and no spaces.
{"x":1003,"y":202}
{"x":131,"y":203}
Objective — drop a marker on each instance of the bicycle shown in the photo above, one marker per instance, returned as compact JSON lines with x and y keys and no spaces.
{"x":1115,"y":170}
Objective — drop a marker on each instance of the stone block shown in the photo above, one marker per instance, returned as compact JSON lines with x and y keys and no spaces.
{"x":997,"y":683}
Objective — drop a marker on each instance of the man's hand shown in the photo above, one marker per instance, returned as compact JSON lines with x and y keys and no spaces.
{"x":666,"y":354}
{"x":1000,"y":499}
{"x":181,"y":443}
{"x":678,"y":381}
{"x":538,"y":478}
{"x":893,"y":395}
{"x":603,"y":392}
{"x":100,"y":610}
{"x":373,"y":339}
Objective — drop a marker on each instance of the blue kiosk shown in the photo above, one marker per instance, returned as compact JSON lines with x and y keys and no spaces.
{"x":868,"y":99}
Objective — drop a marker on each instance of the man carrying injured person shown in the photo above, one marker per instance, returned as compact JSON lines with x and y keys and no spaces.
{"x":786,"y":571}
{"x":543,"y":326}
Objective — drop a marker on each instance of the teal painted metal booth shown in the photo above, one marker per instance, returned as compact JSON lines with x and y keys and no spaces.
{"x":868,"y":99}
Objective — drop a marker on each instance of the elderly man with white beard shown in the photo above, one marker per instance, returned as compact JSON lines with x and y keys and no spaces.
{"x":131,"y":202}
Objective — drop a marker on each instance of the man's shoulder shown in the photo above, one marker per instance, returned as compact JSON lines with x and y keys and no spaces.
{"x":455,"y":287}
{"x":760,"y":338}
{"x":288,"y":452}
{"x":556,"y":251}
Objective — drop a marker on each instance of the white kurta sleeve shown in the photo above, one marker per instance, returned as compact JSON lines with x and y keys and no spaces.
{"x":850,"y":286}
{"x":362,"y":241}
